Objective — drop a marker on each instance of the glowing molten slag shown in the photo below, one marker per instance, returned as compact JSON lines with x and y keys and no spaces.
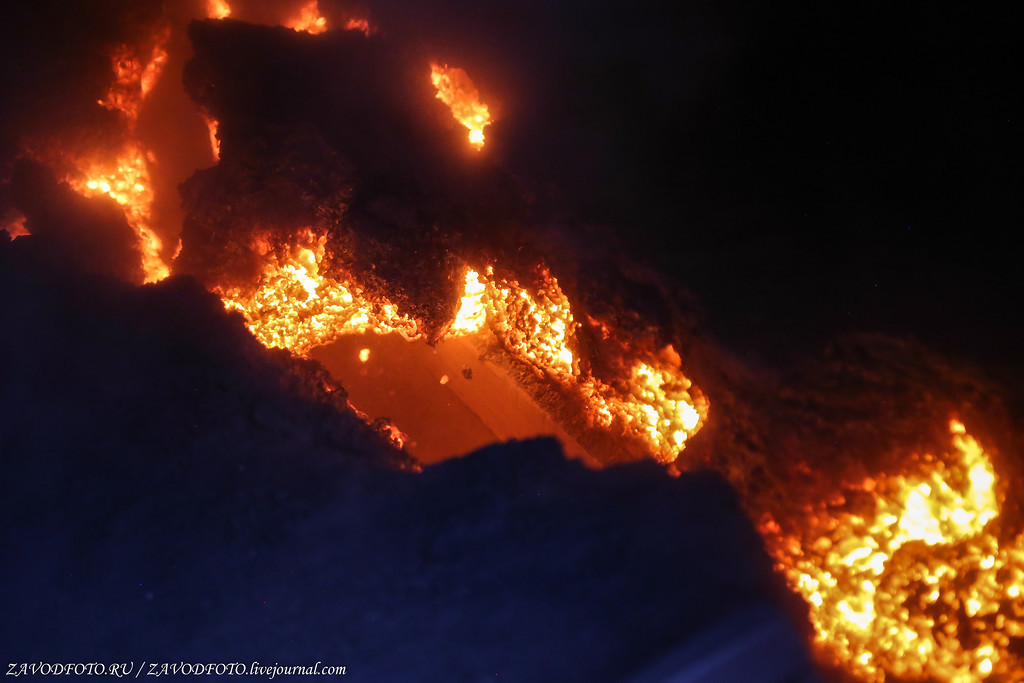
{"x":309,"y":19}
{"x":297,"y":307}
{"x":455,"y":89}
{"x":918,"y":586}
{"x":655,"y":407}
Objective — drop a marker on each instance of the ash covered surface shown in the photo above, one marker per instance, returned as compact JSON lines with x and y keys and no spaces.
{"x":173,"y":490}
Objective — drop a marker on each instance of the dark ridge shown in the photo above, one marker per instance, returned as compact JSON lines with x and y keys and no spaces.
{"x":174,"y":491}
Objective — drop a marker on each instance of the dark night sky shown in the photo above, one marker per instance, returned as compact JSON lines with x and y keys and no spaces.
{"x":851,"y":169}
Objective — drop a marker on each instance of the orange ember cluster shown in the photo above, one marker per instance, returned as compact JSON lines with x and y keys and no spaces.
{"x":917,"y":585}
{"x":298,"y":307}
{"x":309,"y":19}
{"x":455,"y":89}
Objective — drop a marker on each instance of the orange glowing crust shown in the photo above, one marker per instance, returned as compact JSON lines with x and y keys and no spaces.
{"x":309,"y":20}
{"x":455,"y":89}
{"x":920,"y":587}
{"x":297,"y":308}
{"x":218,"y":9}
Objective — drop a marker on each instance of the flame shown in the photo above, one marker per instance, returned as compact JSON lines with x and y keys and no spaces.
{"x":213,"y":125}
{"x":471,"y":315}
{"x":218,"y":9}
{"x":126,"y":181}
{"x":125,"y":178}
{"x":359,"y":24}
{"x":920,"y":587}
{"x":309,"y":19}
{"x":455,"y":89}
{"x":15,"y":225}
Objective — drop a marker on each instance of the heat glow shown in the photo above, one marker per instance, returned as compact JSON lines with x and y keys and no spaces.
{"x":455,"y":89}
{"x":919,"y":586}
{"x":297,"y":307}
